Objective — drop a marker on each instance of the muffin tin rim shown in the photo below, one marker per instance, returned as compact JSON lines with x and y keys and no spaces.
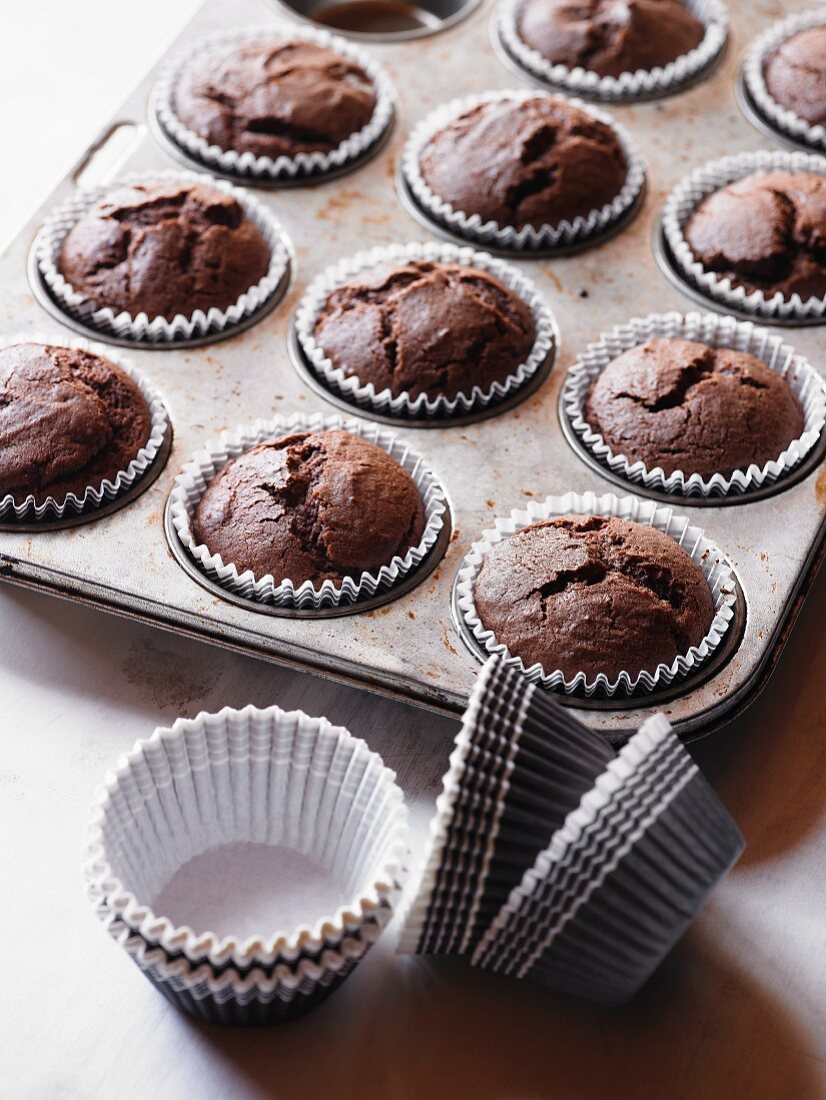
{"x":383,"y":36}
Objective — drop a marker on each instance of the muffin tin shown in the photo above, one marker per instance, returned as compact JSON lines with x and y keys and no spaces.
{"x":409,"y":646}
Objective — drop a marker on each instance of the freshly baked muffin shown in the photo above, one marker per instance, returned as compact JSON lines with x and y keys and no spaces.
{"x":682,"y":405}
{"x":765,"y":232}
{"x":424,"y":327}
{"x":594,"y":595}
{"x":311,"y":506}
{"x":533,"y":162}
{"x":274,"y":98}
{"x":164,"y":248}
{"x":68,"y":421}
{"x":610,"y":37}
{"x":795,"y":74}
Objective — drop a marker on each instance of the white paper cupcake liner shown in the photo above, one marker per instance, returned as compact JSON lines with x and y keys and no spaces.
{"x":642,"y":84}
{"x":284,"y":168}
{"x":162,"y":330}
{"x":259,"y":776}
{"x":402,"y":405}
{"x":716,"y":568}
{"x":716,"y":331}
{"x":191,"y":484}
{"x":687,"y":196}
{"x":95,"y":495}
{"x":784,"y":120}
{"x":566,"y":233}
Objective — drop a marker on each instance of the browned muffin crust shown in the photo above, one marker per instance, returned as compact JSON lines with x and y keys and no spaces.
{"x":311,"y":506}
{"x":68,"y":420}
{"x":610,"y":37}
{"x":164,"y":248}
{"x":795,"y":74}
{"x":684,"y":406}
{"x":424,"y":327}
{"x":594,"y":595}
{"x":274,"y":98}
{"x":765,"y":232}
{"x":534,"y":162}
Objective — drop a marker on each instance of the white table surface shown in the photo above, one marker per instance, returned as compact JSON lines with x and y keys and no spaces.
{"x":738,"y":1011}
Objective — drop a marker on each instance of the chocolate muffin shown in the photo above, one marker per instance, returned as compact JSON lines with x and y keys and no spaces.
{"x":68,"y":421}
{"x":795,"y":75}
{"x":766,"y":232}
{"x":164,"y":248}
{"x":424,"y":327}
{"x":274,"y":98}
{"x":682,"y":405}
{"x":311,"y":506}
{"x":610,"y":37}
{"x":533,"y":162}
{"x":594,"y":595}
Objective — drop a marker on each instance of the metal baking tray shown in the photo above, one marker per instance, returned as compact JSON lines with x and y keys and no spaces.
{"x":410,"y":647}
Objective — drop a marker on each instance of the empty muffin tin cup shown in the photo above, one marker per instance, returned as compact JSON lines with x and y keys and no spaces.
{"x":716,"y":331}
{"x":621,"y":880}
{"x":627,"y":87}
{"x":719,"y":289}
{"x":162,"y":331}
{"x":191,"y":484}
{"x":193,"y":816}
{"x":715,"y":566}
{"x":247,"y":167}
{"x":582,"y":232}
{"x":784,"y":121}
{"x":26,"y":510}
{"x":520,"y":765}
{"x":365,"y":396}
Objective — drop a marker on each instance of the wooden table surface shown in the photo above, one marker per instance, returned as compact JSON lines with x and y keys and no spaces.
{"x":739,"y":1010}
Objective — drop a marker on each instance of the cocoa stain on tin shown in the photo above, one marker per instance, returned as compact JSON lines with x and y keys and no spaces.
{"x":820,"y":486}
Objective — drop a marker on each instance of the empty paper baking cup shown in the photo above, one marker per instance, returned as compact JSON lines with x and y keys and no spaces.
{"x":271,"y":839}
{"x":162,"y":330}
{"x":247,"y":167}
{"x":521,"y":764}
{"x":715,"y":566}
{"x":365,"y":396}
{"x":643,"y":84}
{"x":719,"y":289}
{"x":715,"y":331}
{"x":26,"y":510}
{"x":191,"y":484}
{"x":787,"y":123}
{"x":622,"y":880}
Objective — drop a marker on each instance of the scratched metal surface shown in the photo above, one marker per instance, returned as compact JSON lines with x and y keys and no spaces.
{"x":410,"y":647}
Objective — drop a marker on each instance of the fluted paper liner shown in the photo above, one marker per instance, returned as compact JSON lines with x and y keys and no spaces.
{"x":471,"y":226}
{"x":260,"y":776}
{"x":716,"y":331}
{"x":402,"y":405}
{"x":94,"y":496}
{"x":687,"y":196}
{"x":161,"y":330}
{"x":192,"y":482}
{"x":248,"y":166}
{"x":641,"y":84}
{"x":786,"y":121}
{"x":715,"y":567}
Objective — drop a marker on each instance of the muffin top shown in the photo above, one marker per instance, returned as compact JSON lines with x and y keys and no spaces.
{"x":533,"y":162}
{"x":425,"y":327}
{"x":68,"y":420}
{"x":610,"y":37}
{"x":795,"y":74}
{"x":164,"y":248}
{"x":684,"y":406}
{"x":765,"y":232}
{"x":274,"y":98}
{"x":594,"y":595}
{"x":311,"y":506}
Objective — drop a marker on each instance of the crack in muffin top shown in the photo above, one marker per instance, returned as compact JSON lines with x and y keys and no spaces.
{"x":795,"y":74}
